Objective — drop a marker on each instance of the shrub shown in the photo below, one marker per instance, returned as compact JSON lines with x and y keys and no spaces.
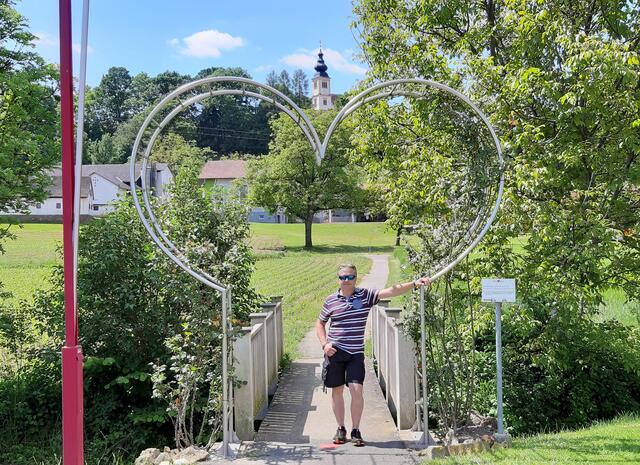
{"x":137,"y":310}
{"x":561,"y":373}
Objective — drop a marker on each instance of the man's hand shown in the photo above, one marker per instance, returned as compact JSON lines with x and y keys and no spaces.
{"x":422,"y":282}
{"x":329,"y":349}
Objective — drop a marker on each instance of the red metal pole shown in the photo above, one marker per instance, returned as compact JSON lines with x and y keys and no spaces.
{"x":72,"y":382}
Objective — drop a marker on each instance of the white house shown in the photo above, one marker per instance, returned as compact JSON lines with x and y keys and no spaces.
{"x":100,"y":186}
{"x":52,"y":205}
{"x":224,"y":173}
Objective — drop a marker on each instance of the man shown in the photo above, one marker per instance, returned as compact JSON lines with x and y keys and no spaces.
{"x":348,"y":310}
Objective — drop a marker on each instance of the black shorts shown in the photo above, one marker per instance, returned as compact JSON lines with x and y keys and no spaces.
{"x":343,"y":368}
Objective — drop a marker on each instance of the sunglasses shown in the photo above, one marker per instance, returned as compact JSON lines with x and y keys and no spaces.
{"x":348,"y":277}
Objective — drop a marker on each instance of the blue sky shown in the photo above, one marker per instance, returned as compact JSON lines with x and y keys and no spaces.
{"x":157,"y":35}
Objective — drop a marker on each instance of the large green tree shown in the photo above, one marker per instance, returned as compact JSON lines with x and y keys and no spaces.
{"x":560,"y":81}
{"x":110,"y":103}
{"x":289,"y":176}
{"x":29,"y":138}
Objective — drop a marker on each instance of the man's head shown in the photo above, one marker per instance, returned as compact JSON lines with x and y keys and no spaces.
{"x":347,"y":275}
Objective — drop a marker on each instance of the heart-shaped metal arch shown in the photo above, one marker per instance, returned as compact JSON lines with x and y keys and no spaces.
{"x":301,"y":119}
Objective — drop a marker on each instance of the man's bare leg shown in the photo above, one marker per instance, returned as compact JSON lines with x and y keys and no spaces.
{"x":337,"y":403}
{"x":357,"y":404}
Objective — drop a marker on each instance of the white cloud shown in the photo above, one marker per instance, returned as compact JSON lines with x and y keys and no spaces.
{"x":76,"y":48}
{"x":209,"y":43}
{"x":306,"y":58}
{"x":264,"y":68}
{"x":47,"y":41}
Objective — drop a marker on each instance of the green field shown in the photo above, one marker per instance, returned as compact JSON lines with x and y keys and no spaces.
{"x":332,"y":238}
{"x":614,"y":442}
{"x":304,"y":279}
{"x":26,"y":264}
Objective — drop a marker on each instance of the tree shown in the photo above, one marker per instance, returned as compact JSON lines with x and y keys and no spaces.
{"x":144,"y":92}
{"x":29,"y":138}
{"x":174,"y":150}
{"x":300,"y":88}
{"x":110,"y":104}
{"x":116,"y":147}
{"x":101,"y":151}
{"x":169,"y":81}
{"x":231,"y":124}
{"x":562,"y":84}
{"x":289,"y":176}
{"x":296,"y":86}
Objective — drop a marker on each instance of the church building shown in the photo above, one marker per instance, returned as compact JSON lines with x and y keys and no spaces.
{"x":321,"y":97}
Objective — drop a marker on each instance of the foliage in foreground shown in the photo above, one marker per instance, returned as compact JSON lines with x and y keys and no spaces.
{"x":560,"y":82}
{"x":136,"y":309}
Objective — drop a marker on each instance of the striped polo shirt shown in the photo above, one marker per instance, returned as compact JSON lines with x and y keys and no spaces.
{"x":348,"y":317}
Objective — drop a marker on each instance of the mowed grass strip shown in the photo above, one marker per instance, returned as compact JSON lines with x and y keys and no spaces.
{"x":27,"y":261}
{"x":304,"y":279}
{"x":617,"y":441}
{"x":34,"y":246}
{"x":330,"y":238}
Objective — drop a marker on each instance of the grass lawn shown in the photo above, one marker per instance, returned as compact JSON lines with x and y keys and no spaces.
{"x":331,"y":238}
{"x":617,"y":307}
{"x":614,"y":442}
{"x":27,"y":260}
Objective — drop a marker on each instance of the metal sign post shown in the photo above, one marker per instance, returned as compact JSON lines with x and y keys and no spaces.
{"x":423,"y":369}
{"x":498,"y":291}
{"x":499,"y":365}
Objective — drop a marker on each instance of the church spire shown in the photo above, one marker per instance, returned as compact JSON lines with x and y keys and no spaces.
{"x":321,"y":67}
{"x":322,"y":98}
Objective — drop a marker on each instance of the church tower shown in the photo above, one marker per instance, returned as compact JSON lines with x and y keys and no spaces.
{"x":321,"y":97}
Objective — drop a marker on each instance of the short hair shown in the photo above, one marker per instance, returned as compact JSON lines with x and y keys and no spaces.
{"x":347,"y":265}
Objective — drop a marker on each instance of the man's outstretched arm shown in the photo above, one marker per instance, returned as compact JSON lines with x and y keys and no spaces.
{"x":399,"y":289}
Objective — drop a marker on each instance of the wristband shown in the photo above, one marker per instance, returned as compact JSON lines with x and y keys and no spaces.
{"x":414,"y":286}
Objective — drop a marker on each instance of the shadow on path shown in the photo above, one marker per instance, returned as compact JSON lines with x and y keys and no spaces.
{"x":291,"y":405}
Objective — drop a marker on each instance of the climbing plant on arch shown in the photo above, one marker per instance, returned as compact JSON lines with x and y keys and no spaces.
{"x":404,"y":89}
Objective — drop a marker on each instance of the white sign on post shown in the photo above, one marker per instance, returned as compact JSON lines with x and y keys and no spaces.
{"x":498,"y":290}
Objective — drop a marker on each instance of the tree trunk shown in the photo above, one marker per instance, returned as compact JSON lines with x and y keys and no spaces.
{"x":307,"y":231}
{"x":398,"y":232}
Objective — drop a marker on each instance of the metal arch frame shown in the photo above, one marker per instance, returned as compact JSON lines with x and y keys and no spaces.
{"x":167,"y":119}
{"x":308,"y":129}
{"x":161,"y":239}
